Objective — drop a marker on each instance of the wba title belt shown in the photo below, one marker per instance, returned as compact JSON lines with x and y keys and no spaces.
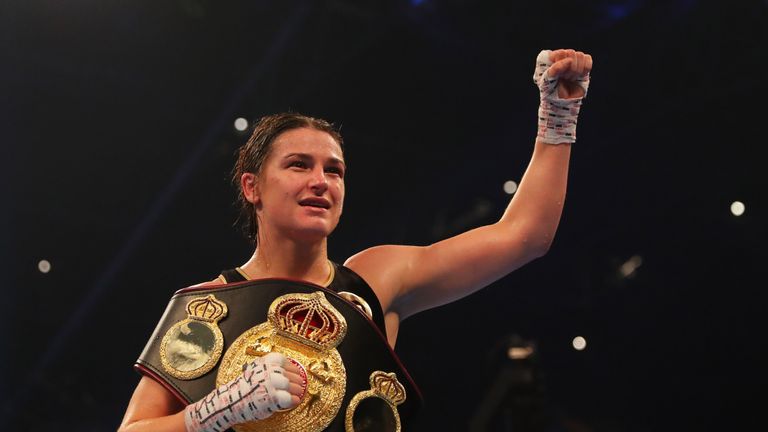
{"x":355,"y":382}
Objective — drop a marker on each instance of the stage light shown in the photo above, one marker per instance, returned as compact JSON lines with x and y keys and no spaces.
{"x":241,"y":124}
{"x":737,"y":208}
{"x":630,"y":266}
{"x":44,"y":266}
{"x":579,"y":343}
{"x":517,"y":348}
{"x":519,"y":353}
{"x":510,"y":187}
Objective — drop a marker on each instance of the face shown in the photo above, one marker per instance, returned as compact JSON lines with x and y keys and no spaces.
{"x":300,"y":190}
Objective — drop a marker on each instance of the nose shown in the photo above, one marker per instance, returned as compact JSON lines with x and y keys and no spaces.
{"x":318,"y":182}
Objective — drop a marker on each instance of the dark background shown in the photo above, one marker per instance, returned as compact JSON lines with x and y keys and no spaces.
{"x":117,"y":140}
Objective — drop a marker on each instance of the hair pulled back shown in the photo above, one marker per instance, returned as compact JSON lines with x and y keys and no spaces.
{"x":252,"y":154}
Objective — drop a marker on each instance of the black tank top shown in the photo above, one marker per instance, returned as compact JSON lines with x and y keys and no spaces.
{"x":344,"y":279}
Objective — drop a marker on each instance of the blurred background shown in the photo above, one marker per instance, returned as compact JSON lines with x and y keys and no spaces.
{"x":118,"y":131}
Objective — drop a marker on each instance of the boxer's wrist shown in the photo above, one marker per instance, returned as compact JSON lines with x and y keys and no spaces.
{"x":558,"y":120}
{"x":254,"y":395}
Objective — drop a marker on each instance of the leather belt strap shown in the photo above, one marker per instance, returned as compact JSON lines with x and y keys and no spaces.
{"x":363,"y":350}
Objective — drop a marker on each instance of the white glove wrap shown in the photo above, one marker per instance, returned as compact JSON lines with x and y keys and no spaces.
{"x":557,"y":117}
{"x":255,"y":394}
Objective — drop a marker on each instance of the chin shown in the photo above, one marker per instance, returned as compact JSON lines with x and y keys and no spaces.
{"x":312,"y":233}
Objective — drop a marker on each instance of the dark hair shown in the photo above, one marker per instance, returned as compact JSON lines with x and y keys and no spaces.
{"x":252,"y":154}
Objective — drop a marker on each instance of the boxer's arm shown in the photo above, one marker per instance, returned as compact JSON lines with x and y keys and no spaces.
{"x":267,"y":384}
{"x":153,"y":408}
{"x":410,"y":279}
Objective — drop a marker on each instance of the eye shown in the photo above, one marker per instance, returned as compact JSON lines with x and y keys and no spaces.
{"x":298,"y":164}
{"x":335,"y":170}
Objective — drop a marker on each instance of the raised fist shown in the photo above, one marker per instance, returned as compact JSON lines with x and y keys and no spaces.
{"x":563,"y":79}
{"x":569,"y":68}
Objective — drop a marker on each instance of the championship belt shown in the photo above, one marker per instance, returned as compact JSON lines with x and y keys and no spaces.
{"x":355,"y":382}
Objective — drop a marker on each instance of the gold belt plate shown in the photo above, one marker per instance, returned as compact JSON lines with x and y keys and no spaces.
{"x":306,"y":328}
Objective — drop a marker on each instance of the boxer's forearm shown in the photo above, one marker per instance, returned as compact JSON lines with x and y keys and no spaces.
{"x":171,"y":423}
{"x":538,"y":203}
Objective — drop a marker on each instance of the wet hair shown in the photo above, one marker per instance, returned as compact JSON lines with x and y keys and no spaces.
{"x":252,"y":154}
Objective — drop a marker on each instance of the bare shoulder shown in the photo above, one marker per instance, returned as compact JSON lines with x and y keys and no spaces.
{"x":218,"y":281}
{"x":371,"y":259}
{"x":384,"y":268}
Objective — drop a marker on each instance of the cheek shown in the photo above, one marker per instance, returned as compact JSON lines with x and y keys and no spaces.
{"x":340,"y":193}
{"x":279,"y":186}
{"x":337,"y":192}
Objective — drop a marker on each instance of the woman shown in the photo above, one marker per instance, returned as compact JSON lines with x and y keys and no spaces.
{"x":291,"y":178}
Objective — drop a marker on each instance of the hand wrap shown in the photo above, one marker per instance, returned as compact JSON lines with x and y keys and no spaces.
{"x":557,"y":117}
{"x":255,"y":394}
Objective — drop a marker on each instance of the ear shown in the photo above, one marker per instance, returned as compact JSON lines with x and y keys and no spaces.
{"x":250,"y":187}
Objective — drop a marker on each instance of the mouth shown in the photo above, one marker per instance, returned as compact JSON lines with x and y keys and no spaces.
{"x":316,"y":202}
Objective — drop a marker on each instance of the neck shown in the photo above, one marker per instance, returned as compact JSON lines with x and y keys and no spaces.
{"x":289,"y":259}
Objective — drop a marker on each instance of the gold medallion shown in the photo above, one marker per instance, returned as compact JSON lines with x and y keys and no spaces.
{"x":379,"y":403}
{"x":306,"y":328}
{"x":193,"y":346}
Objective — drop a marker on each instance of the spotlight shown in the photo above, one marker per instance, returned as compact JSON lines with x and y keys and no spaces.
{"x":44,"y":266}
{"x":579,"y":343}
{"x":519,"y":353}
{"x":630,"y":266}
{"x":510,"y":187}
{"x":737,"y":208}
{"x":519,"y":348}
{"x":241,"y":124}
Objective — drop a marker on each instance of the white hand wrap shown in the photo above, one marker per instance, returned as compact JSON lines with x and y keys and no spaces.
{"x":557,"y":117}
{"x":257,"y":393}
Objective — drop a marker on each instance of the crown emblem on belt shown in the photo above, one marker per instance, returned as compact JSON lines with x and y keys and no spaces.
{"x":387,"y":387}
{"x":309,"y":319}
{"x":307,"y":328}
{"x":207,"y":309}
{"x":192,"y":347}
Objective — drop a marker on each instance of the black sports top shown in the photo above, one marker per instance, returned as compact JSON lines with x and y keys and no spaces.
{"x":344,"y":280}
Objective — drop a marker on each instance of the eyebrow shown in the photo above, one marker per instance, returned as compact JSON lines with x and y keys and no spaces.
{"x":308,"y":156}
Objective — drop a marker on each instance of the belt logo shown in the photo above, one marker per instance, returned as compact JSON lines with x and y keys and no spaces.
{"x":385,"y":395}
{"x":193,"y":346}
{"x":306,"y":328}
